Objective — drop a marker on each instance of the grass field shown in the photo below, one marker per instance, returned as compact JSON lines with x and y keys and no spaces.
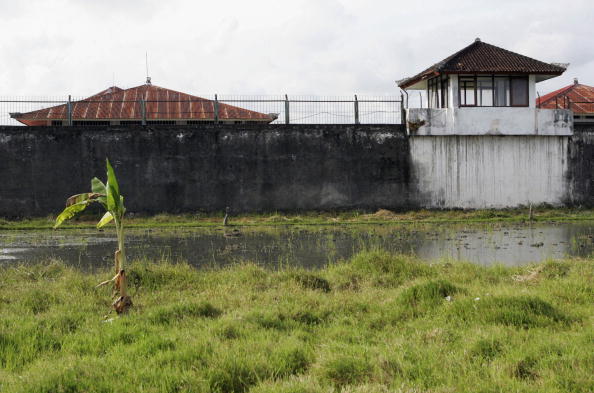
{"x":376,"y":323}
{"x":540,"y":214}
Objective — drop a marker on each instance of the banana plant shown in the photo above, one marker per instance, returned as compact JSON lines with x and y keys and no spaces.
{"x":107,"y":195}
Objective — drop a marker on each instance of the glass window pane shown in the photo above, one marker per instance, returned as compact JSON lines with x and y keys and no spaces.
{"x":444,"y":92}
{"x":467,"y":92}
{"x":433,"y":93}
{"x":519,"y":91}
{"x":501,"y":91}
{"x":485,"y":91}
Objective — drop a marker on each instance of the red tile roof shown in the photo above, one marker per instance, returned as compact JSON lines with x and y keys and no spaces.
{"x":161,"y":104}
{"x":580,"y":99}
{"x":480,"y":57}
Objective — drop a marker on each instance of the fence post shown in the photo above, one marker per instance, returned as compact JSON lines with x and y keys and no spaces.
{"x":287,"y":117}
{"x":143,"y":111}
{"x":402,"y":110}
{"x":69,"y":106}
{"x":216,"y":109}
{"x":356,"y":110}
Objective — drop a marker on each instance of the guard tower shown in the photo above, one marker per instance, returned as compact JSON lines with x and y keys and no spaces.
{"x":485,"y":90}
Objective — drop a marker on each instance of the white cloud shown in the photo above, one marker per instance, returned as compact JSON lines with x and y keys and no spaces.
{"x":62,"y":47}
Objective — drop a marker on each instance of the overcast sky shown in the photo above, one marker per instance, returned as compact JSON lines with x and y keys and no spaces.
{"x":325,"y":47}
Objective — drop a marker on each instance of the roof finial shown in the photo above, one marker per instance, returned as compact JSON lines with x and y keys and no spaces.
{"x":477,"y":39}
{"x":148,"y":78}
{"x":575,"y":81}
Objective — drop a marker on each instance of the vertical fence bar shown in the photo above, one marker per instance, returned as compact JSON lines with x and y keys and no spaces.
{"x":356,"y":110}
{"x":69,"y":107}
{"x":402,"y":110}
{"x":287,"y":118}
{"x":143,"y":111}
{"x":216,"y":109}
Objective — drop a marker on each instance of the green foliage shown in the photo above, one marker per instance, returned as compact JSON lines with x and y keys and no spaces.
{"x":246,"y":329}
{"x":108,"y":195}
{"x":346,"y":370}
{"x":380,"y":267}
{"x":37,"y":301}
{"x":430,"y":293}
{"x":311,"y":281}
{"x":486,"y":349}
{"x":555,"y":269}
{"x":176,"y":312}
{"x":519,"y":311}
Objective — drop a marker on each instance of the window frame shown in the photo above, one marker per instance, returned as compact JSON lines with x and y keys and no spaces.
{"x":511,"y":94}
{"x":467,"y":77}
{"x":474,"y":78}
{"x":438,"y":87}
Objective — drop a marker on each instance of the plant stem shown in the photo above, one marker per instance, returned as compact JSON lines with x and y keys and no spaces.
{"x":120,"y":233}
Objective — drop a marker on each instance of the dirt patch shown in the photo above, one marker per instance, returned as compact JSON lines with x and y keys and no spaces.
{"x":383,"y":214}
{"x":531,"y":275}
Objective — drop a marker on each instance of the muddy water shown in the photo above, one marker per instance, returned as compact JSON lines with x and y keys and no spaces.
{"x":310,"y":247}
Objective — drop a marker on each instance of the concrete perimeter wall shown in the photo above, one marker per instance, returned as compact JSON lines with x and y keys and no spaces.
{"x":183,"y":169}
{"x":581,"y":165}
{"x":295,"y":167}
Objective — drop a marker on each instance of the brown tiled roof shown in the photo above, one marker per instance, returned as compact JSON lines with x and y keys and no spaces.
{"x":161,"y":104}
{"x":580,"y":99}
{"x":480,"y":57}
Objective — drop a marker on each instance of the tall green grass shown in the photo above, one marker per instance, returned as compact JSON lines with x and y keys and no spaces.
{"x":376,"y":323}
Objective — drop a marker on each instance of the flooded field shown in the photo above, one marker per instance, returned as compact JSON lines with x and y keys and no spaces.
{"x":307,"y":246}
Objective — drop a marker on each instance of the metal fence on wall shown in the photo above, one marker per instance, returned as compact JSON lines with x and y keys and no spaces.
{"x":285,"y":109}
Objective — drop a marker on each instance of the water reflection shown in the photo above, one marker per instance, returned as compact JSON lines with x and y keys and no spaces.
{"x":310,"y":247}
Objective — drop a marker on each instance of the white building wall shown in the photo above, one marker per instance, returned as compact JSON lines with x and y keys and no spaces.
{"x":532,"y":91}
{"x":489,"y":171}
{"x":489,"y":121}
{"x":453,"y":92}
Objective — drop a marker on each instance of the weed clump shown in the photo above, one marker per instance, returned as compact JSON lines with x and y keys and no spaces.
{"x":38,"y":301}
{"x":525,"y":369}
{"x":380,"y":268}
{"x":346,"y":370}
{"x":519,"y":311}
{"x":486,"y":349}
{"x":177,"y":312}
{"x":312,"y":281}
{"x":554,"y":269}
{"x":290,"y":359}
{"x":151,"y":276}
{"x":430,"y":293}
{"x":231,"y":376}
{"x":421,"y":298}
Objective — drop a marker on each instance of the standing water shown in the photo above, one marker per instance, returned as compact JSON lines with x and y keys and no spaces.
{"x":306,"y":246}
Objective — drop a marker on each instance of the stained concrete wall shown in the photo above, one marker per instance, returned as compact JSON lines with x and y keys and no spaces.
{"x":489,"y":121}
{"x":581,"y":165}
{"x":297,"y":167}
{"x":490,"y":171}
{"x":183,"y":169}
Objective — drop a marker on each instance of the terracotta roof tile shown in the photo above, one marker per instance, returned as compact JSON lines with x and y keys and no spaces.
{"x":480,"y":57}
{"x":161,"y":104}
{"x":579,"y":97}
